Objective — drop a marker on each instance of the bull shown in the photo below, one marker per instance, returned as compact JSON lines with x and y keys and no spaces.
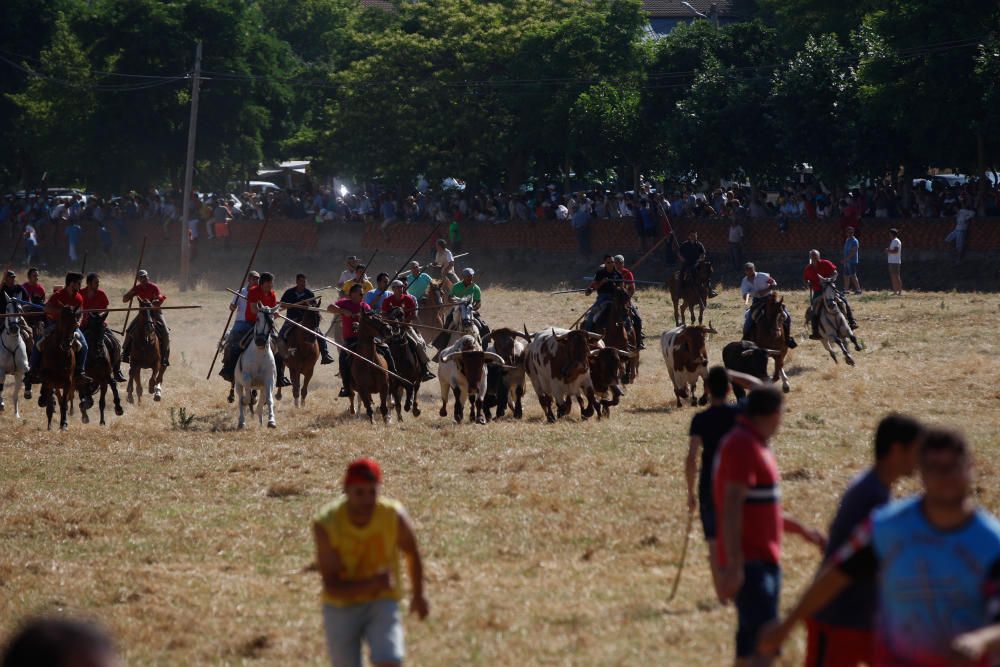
{"x":505,"y":386}
{"x":462,"y":372}
{"x":685,"y":352}
{"x":745,"y":357}
{"x":559,"y":370}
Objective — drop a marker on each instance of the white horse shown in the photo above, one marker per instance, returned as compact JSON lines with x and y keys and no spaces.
{"x":13,"y":356}
{"x":833,"y":326}
{"x":256,"y":370}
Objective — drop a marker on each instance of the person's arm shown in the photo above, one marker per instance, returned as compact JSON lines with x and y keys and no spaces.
{"x":407,"y":542}
{"x":811,"y":535}
{"x":128,"y":295}
{"x":731,"y":576}
{"x":691,"y":469}
{"x":330,"y":568}
{"x":985,"y":641}
{"x":743,"y":380}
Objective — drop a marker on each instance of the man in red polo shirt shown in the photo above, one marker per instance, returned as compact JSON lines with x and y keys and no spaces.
{"x":149,"y":291}
{"x":67,"y":297}
{"x":94,"y":298}
{"x":262,"y":293}
{"x":751,"y":521}
{"x":399,"y":299}
{"x":815,"y":272}
{"x":350,"y":309}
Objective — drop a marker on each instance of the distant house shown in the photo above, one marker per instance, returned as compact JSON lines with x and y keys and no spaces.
{"x":664,"y":15}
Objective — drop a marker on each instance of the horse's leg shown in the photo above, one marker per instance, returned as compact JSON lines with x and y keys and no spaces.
{"x":269,"y":401}
{"x":701,"y":312}
{"x":118,"y":401}
{"x":677,"y":315}
{"x":366,"y":398}
{"x":416,"y":391}
{"x":383,"y":407}
{"x":2,"y":406}
{"x":232,"y":392}
{"x":397,"y":400}
{"x":84,"y":417}
{"x":546,"y":402}
{"x":65,"y":400}
{"x":242,"y":396}
{"x":779,"y":370}
{"x":459,"y":408}
{"x":102,"y":402}
{"x":49,"y":394}
{"x":157,"y":387}
{"x":18,"y":381}
{"x":131,"y":381}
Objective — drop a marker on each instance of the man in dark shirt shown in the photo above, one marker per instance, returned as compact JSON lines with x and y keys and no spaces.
{"x":691,"y":252}
{"x":606,"y":281}
{"x":708,"y":427}
{"x":841,"y":633}
{"x":298,"y":294}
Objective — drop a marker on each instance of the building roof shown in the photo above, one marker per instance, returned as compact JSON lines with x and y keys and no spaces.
{"x":676,"y":9}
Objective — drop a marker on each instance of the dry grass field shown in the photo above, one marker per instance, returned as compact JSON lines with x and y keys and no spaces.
{"x":551,"y":545}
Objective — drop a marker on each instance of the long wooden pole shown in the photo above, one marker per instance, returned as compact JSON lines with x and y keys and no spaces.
{"x":684,"y":551}
{"x":414,"y":254}
{"x":135,"y":281}
{"x":246,"y":274}
{"x":649,"y":252}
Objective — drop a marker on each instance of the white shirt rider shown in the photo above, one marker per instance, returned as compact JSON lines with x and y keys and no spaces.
{"x":759,"y":286}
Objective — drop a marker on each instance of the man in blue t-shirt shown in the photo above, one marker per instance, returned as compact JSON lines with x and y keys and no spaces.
{"x":852,"y":258}
{"x":841,"y":633}
{"x":708,"y":428}
{"x":417,"y":281}
{"x":935,"y":561}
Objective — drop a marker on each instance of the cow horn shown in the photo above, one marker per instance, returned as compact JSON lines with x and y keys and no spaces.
{"x":594,"y":336}
{"x":559,"y":336}
{"x":749,"y":352}
{"x":595,"y":352}
{"x":443,"y":359}
{"x":526,"y":336}
{"x":773,"y":353}
{"x":711,"y":329}
{"x":493,"y":358}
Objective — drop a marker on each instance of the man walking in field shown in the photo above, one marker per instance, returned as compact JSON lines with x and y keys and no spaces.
{"x":358,"y":541}
{"x":751,"y":522}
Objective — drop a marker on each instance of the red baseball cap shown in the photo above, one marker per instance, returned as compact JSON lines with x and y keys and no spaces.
{"x":363,"y":471}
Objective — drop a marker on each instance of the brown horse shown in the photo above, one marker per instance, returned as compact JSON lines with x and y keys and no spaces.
{"x":366,"y":380}
{"x":691,"y":294}
{"x":302,"y":353}
{"x":58,"y":367}
{"x":145,"y":354}
{"x":99,"y":368}
{"x":768,"y":332}
{"x":431,"y":311}
{"x":616,"y":335}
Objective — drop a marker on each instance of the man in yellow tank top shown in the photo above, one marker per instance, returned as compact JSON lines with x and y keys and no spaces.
{"x":358,"y":541}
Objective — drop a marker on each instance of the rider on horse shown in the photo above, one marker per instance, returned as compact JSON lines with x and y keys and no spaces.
{"x":633,"y":319}
{"x":262,"y":292}
{"x":350,"y":308}
{"x":148,"y":291}
{"x":94,"y":298}
{"x":359,"y":278}
{"x":468,"y":288}
{"x":296,"y":295}
{"x":401,"y":301}
{"x":759,"y":286}
{"x":375,"y":297}
{"x":690,"y":253}
{"x":815,"y":272}
{"x":67,"y":297}
{"x":606,"y":281}
{"x":417,"y":281}
{"x":10,"y":290}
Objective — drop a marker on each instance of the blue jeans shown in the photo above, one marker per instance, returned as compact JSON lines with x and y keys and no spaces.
{"x":377,"y":623}
{"x":756,"y":604}
{"x":81,"y":356}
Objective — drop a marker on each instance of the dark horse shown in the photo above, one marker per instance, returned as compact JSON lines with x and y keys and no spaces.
{"x":145,"y":354}
{"x":59,"y":366}
{"x":302,"y":353}
{"x":768,"y":332}
{"x":615,"y":334}
{"x":408,"y":367}
{"x":366,"y":380}
{"x":692,"y":293}
{"x":99,"y":367}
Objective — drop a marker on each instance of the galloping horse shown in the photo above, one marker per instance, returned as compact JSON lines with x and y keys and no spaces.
{"x":145,"y":354}
{"x":58,"y":367}
{"x":366,"y":380}
{"x":407,"y":366}
{"x":99,"y":367}
{"x":833,"y":326}
{"x":13,"y":355}
{"x":611,"y":326}
{"x":768,"y":332}
{"x":256,"y":369}
{"x":302,"y":353}
{"x":431,"y":311}
{"x":691,"y":294}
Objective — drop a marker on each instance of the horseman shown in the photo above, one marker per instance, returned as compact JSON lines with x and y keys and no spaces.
{"x":815,"y":272}
{"x":297,"y":294}
{"x":34,"y":289}
{"x":606,"y":281}
{"x":67,"y":297}
{"x":350,"y":308}
{"x":417,"y":281}
{"x":263,"y":293}
{"x":445,"y":261}
{"x":11,"y":291}
{"x":377,"y":296}
{"x":406,"y":306}
{"x":691,"y":252}
{"x":759,"y":286}
{"x":359,"y":279}
{"x":629,"y":285}
{"x":468,"y":289}
{"x":147,"y":290}
{"x":347,"y":273}
{"x":94,"y":298}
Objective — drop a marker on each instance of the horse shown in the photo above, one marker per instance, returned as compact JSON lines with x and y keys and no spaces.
{"x":58,"y":367}
{"x":769,"y":332}
{"x":431,"y":310}
{"x":611,"y":326}
{"x":367,"y":380}
{"x":408,"y":367}
{"x":461,"y":321}
{"x":256,"y":369}
{"x":691,"y":294}
{"x":36,"y":324}
{"x":833,"y":326}
{"x":99,"y":368}
{"x":145,"y":354}
{"x":13,"y":356}
{"x":302,"y":352}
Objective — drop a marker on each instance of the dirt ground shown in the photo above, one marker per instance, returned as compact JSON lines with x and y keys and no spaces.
{"x":544,"y":544}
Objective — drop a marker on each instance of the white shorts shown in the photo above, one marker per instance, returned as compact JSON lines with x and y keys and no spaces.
{"x":377,"y":623}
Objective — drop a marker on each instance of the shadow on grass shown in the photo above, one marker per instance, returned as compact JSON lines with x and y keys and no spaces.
{"x":653,"y":409}
{"x":793,"y":371}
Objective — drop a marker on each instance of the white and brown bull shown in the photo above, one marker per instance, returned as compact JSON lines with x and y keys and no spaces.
{"x":505,"y":386}
{"x":462,"y":372}
{"x":686,"y":354}
{"x":559,"y":369}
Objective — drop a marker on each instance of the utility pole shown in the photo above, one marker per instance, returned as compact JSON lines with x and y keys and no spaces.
{"x":189,"y":173}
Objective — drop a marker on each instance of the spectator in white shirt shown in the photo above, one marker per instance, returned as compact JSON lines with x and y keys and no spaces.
{"x":756,"y":287}
{"x":895,"y":254}
{"x":957,"y":235}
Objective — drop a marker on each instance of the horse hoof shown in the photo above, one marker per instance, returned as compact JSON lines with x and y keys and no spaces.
{"x":131,"y":399}
{"x":786,"y":388}
{"x":3,"y":408}
{"x":27,"y":395}
{"x":156,"y":397}
{"x":481,"y":420}
{"x":241,"y":426}
{"x":271,"y":424}
{"x":443,"y":412}
{"x":231,"y":398}
{"x":84,"y":418}
{"x":64,"y":428}
{"x":415,"y":411}
{"x":119,"y":410}
{"x":278,"y":396}
{"x":850,"y":361}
